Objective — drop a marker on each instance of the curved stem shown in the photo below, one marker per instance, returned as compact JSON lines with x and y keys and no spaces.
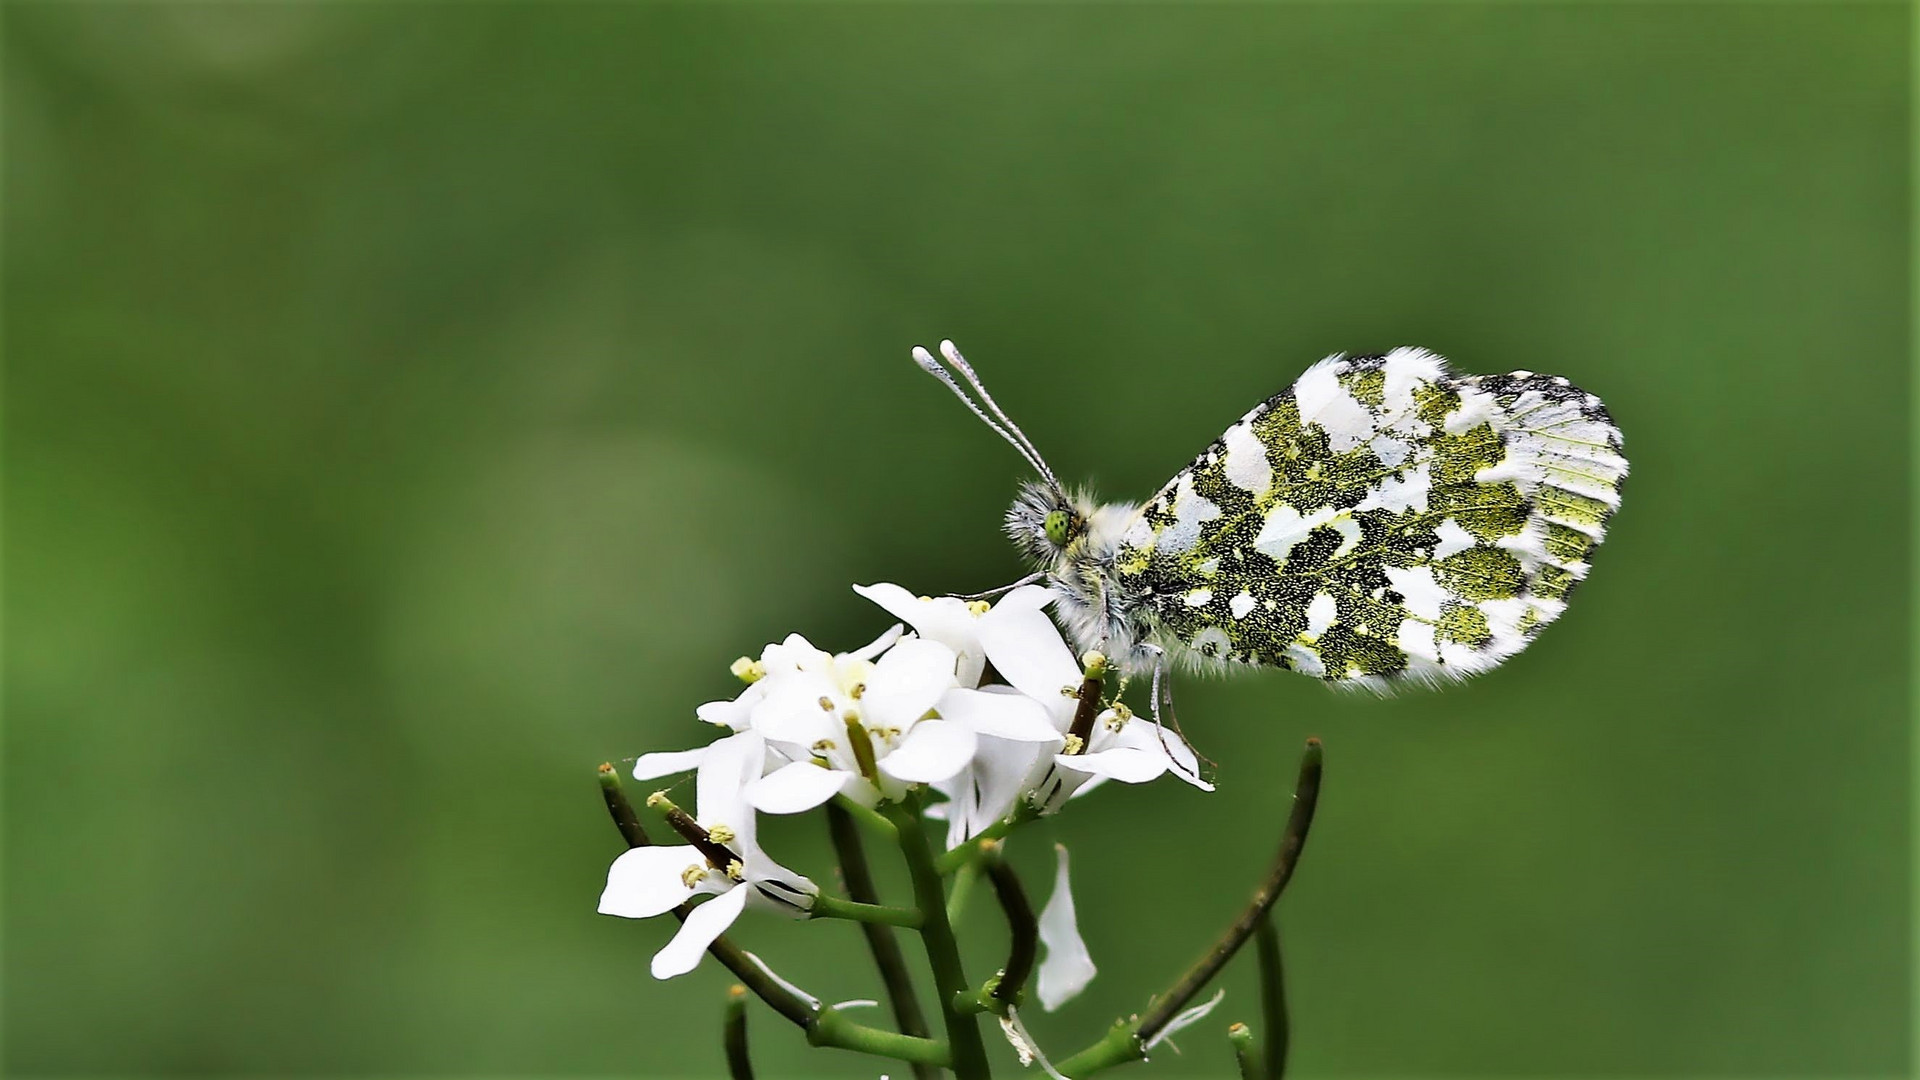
{"x":1306,"y":793}
{"x":951,"y":861}
{"x":832,"y":1028}
{"x":826,"y":906}
{"x":1127,"y":1042}
{"x":943,"y":953}
{"x":1273,"y":996}
{"x":1021,"y":924}
{"x":739,"y":1065}
{"x":881,"y":941}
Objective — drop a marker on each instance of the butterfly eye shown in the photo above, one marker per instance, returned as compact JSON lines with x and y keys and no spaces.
{"x":1057,"y":528}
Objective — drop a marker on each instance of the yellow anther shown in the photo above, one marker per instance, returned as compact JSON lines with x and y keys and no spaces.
{"x":693,"y":875}
{"x":1075,"y":744}
{"x":1121,"y":714}
{"x":826,"y":703}
{"x":721,"y":834}
{"x":859,"y":691}
{"x":748,"y":670}
{"x":823,"y":746}
{"x":979,"y":607}
{"x":1069,"y":691}
{"x":736,"y":871}
{"x":926,"y":599}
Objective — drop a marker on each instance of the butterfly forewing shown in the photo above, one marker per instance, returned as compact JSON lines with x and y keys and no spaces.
{"x":1380,"y":520}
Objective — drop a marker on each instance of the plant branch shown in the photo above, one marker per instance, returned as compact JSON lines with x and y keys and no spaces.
{"x":1273,"y":996}
{"x":826,"y":906}
{"x":943,"y":953}
{"x":1243,"y":1052}
{"x":950,"y":861}
{"x":1128,"y":1042}
{"x":739,"y":1065}
{"x":824,"y":1026}
{"x":1306,"y":793}
{"x":1021,"y":924}
{"x":881,"y":941}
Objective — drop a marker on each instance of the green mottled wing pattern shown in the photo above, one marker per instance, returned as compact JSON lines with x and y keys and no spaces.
{"x":1381,"y":520}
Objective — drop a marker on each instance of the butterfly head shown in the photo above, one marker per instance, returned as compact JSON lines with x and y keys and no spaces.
{"x":1046,"y":523}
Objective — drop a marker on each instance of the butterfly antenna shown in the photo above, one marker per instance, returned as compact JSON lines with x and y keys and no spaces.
{"x":1015,"y":438}
{"x":952,"y":352}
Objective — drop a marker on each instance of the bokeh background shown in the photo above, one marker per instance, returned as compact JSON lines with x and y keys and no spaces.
{"x":410,"y":406}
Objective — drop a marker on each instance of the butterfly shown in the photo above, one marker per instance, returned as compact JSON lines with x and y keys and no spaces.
{"x":1381,"y":522}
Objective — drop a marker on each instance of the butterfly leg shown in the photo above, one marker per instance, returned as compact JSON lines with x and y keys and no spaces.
{"x":1163,"y":691}
{"x":1030,"y":579}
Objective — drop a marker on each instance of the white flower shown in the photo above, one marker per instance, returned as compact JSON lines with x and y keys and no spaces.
{"x":1067,"y":968}
{"x":648,"y":881}
{"x":845,"y":722}
{"x":1011,"y":725}
{"x":792,"y":655}
{"x":1121,"y":747}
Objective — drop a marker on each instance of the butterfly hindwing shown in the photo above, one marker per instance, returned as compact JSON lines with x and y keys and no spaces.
{"x":1380,"y":520}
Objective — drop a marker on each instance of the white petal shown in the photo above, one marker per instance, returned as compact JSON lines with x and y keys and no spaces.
{"x":1186,"y":1019}
{"x":720,"y":787}
{"x":933,"y":750}
{"x":1160,"y":742}
{"x":878,"y":645}
{"x":1068,"y":967}
{"x":654,"y":766}
{"x":1027,"y":650}
{"x":796,"y":788}
{"x":791,"y":712}
{"x":1125,"y":764}
{"x":905,"y":684}
{"x":736,"y":713}
{"x":784,"y":984}
{"x":707,"y":922}
{"x":645,"y":881}
{"x":1003,"y":715}
{"x":944,"y":619}
{"x":772,"y":887}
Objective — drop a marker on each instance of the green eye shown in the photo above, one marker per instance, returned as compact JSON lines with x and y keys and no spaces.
{"x":1057,"y":528}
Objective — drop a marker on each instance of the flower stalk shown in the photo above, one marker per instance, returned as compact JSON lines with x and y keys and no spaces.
{"x":943,"y":952}
{"x":739,"y":1065}
{"x":881,"y":941}
{"x":1244,"y":1053}
{"x":1022,"y":925}
{"x":1129,"y":1042}
{"x":1273,"y":997}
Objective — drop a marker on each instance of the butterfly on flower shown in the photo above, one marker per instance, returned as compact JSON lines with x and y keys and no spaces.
{"x":1381,"y":521}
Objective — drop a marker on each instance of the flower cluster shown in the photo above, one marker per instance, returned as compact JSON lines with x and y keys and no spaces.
{"x":975,"y":702}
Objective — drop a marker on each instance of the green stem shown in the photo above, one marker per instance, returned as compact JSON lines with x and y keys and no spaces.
{"x":943,"y":953}
{"x":739,"y":1065}
{"x":832,"y":1028}
{"x":1306,"y":793}
{"x":826,"y":906}
{"x":1243,"y":1052}
{"x":866,"y":815}
{"x":1273,"y":996}
{"x":1127,"y":1042}
{"x":881,"y":941}
{"x":1023,"y":927}
{"x":953,"y":860}
{"x":963,"y":882}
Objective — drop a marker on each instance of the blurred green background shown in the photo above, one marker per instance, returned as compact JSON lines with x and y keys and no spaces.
{"x":410,"y":406}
